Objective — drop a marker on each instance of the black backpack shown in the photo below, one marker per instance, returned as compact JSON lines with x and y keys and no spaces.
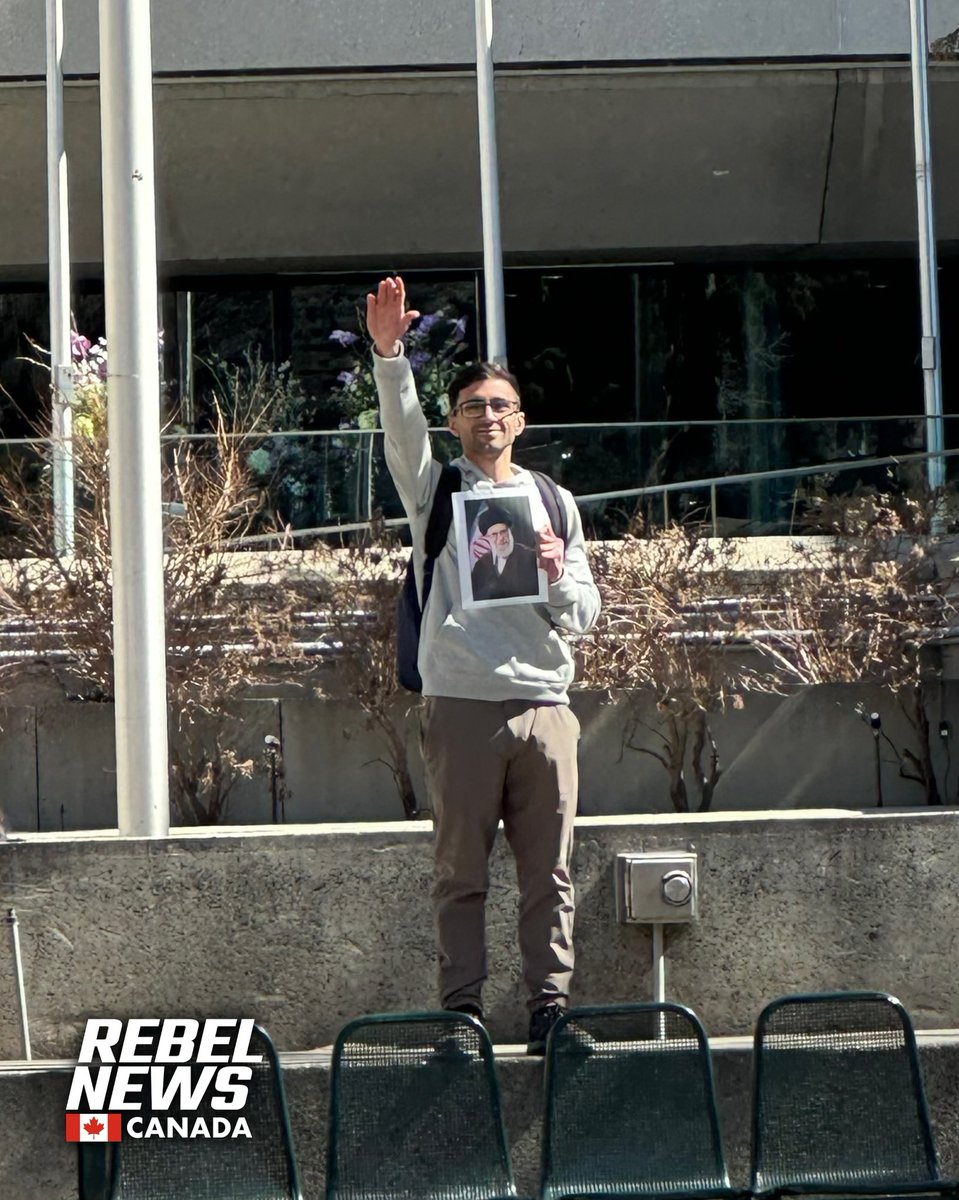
{"x":409,"y":611}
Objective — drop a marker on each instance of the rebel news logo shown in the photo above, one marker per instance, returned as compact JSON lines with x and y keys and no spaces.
{"x":149,"y":1078}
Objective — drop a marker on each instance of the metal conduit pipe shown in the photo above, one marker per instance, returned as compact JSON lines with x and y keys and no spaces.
{"x":659,"y":965}
{"x":133,"y":417}
{"x":11,"y":920}
{"x":58,"y":244}
{"x":489,"y":186}
{"x":928,"y":282}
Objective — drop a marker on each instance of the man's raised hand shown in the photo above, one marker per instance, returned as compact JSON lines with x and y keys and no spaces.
{"x":386,"y":317}
{"x":550,"y":553}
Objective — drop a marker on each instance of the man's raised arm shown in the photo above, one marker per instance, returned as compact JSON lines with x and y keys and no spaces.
{"x":408,"y":453}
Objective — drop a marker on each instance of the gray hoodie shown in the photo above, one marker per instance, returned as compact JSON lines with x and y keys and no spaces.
{"x":513,"y":652}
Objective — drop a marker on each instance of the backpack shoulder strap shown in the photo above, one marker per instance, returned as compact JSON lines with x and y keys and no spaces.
{"x":441,"y":514}
{"x":553,"y":503}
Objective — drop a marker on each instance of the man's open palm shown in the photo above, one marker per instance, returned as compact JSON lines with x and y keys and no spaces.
{"x":386,"y":317}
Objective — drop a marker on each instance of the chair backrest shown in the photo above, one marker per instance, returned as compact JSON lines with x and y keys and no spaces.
{"x":415,"y":1111}
{"x":630,"y":1108}
{"x":261,"y":1167}
{"x":838,"y":1096}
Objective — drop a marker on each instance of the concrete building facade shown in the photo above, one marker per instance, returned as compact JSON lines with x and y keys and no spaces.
{"x":708,"y":208}
{"x":316,"y":137}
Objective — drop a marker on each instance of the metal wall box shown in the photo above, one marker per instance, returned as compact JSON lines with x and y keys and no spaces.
{"x":656,"y":888}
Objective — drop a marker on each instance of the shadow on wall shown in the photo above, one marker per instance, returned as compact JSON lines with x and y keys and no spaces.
{"x":816,"y":748}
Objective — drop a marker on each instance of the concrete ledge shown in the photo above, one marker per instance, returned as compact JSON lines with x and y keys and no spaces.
{"x":36,"y":1164}
{"x":304,"y":928}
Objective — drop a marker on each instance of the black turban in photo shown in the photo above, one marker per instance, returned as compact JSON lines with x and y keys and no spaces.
{"x":494,"y":515}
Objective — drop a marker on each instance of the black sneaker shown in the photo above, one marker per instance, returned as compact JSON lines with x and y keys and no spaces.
{"x":540,"y":1023}
{"x":471,"y":1010}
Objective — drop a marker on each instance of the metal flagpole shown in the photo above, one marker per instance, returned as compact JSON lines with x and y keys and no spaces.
{"x":928,"y":281}
{"x":489,"y":186}
{"x":58,"y":244}
{"x":133,"y":416}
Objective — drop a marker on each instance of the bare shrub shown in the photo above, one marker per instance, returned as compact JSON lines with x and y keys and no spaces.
{"x":221,"y":627}
{"x":202,"y":775}
{"x":865,"y":605}
{"x":672,"y":620}
{"x":699,"y":622}
{"x":360,"y":586}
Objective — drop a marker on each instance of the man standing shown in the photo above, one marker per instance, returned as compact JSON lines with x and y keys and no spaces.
{"x":499,"y":739}
{"x":507,"y":570}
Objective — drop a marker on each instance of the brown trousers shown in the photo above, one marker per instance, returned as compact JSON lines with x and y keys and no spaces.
{"x":513,"y":761}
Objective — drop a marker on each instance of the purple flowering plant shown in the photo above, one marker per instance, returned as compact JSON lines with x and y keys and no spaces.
{"x":433,"y":345}
{"x":89,"y":380}
{"x":90,"y":369}
{"x":89,"y":384}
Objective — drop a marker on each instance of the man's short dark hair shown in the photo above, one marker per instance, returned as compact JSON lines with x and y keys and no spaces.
{"x":494,"y":515}
{"x":476,"y":373}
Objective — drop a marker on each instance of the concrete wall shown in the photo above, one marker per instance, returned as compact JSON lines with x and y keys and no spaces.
{"x":307,"y":927}
{"x":283,"y":170}
{"x":304,"y":929}
{"x":286,"y":174}
{"x":36,"y":1164}
{"x":811,"y":750}
{"x":241,"y":35}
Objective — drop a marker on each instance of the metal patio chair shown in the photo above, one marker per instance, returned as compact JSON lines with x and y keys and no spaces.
{"x":630,"y":1108}
{"x":415,"y":1111}
{"x":262,"y":1167}
{"x":838,"y":1100}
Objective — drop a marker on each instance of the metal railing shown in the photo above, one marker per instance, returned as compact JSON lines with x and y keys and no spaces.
{"x":744,"y":475}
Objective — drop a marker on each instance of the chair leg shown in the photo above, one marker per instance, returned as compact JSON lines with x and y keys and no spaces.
{"x":95,"y":1172}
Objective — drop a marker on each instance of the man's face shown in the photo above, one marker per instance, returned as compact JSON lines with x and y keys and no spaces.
{"x":501,"y":539}
{"x":487,"y":433}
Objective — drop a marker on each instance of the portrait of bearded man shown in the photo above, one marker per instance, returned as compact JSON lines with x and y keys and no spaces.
{"x":509,"y":569}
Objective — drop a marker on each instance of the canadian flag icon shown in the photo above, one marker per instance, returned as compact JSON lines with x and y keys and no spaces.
{"x":94,"y":1127}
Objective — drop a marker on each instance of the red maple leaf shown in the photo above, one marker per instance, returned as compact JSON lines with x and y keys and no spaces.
{"x":93,"y":1127}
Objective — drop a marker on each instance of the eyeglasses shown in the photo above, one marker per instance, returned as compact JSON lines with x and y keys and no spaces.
{"x":499,"y":406}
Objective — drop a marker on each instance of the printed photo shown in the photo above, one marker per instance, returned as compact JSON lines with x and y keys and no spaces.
{"x":496,"y":547}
